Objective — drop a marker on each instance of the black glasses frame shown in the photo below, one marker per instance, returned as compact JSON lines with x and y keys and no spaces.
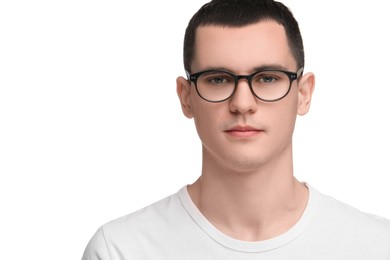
{"x":291,"y":76}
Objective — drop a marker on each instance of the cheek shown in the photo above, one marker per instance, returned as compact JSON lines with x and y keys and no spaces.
{"x":205,"y":117}
{"x":281,"y":116}
{"x":206,"y":123}
{"x":206,"y":128}
{"x":284,"y":121}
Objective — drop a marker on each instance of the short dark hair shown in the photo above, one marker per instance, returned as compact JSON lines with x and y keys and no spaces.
{"x":237,"y":13}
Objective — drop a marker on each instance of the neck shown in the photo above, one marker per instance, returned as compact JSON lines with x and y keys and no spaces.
{"x":250,"y":205}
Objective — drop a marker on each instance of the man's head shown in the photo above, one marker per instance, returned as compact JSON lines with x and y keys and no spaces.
{"x":239,"y":13}
{"x":250,"y":127}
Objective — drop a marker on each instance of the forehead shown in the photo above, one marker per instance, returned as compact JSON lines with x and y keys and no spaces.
{"x":241,"y":49}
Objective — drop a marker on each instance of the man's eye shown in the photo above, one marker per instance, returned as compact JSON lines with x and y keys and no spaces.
{"x":267,"y":79}
{"x":218,"y":80}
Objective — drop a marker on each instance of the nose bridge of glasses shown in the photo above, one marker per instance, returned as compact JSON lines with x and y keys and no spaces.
{"x":247,"y":77}
{"x":243,"y":98}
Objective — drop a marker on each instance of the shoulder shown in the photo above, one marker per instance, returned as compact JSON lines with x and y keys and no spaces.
{"x":160,"y":213}
{"x":349,"y":221}
{"x":97,"y":247}
{"x":152,"y":218}
{"x":137,"y":230}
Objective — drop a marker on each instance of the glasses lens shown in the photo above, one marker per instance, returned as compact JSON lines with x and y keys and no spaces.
{"x":215,"y":85}
{"x":270,"y":85}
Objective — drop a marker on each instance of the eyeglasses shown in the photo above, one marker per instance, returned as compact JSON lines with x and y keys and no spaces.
{"x":266,"y":85}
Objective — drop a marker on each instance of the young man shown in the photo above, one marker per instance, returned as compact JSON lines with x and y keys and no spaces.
{"x":244,"y":88}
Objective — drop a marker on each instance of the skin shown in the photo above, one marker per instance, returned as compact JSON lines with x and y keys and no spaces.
{"x":247,"y":188}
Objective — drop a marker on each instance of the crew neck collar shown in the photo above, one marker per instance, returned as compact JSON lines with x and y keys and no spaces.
{"x":244,"y":246}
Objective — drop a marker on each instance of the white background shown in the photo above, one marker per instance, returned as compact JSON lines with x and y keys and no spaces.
{"x":91,"y":128}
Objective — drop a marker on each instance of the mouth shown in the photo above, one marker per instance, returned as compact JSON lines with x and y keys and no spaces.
{"x":243,"y":131}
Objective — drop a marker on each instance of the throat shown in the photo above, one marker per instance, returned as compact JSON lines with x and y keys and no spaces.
{"x":250,"y":213}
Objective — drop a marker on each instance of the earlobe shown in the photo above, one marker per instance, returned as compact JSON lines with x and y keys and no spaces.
{"x":305,"y":93}
{"x":183,"y":92}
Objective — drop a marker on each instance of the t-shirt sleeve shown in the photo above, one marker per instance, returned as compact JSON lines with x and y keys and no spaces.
{"x":97,"y":247}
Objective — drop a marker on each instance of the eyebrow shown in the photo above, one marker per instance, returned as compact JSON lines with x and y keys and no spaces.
{"x":271,"y":67}
{"x":257,"y":68}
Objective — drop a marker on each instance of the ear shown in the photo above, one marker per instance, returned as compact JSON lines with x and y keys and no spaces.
{"x":305,"y":92}
{"x":183,"y":89}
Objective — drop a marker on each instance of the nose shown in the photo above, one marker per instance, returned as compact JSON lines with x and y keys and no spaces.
{"x":243,"y":101}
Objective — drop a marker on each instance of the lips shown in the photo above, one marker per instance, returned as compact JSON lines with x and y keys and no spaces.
{"x":242,"y":131}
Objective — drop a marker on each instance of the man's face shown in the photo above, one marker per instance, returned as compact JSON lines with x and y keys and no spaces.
{"x":243,"y":132}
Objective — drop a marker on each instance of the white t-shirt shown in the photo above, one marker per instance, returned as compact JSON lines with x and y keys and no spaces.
{"x":174,"y":228}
